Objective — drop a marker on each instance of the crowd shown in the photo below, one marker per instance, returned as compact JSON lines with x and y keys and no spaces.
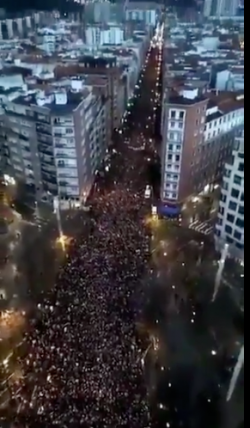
{"x":84,"y":363}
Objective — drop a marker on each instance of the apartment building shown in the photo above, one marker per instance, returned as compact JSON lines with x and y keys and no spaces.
{"x":198,"y":133}
{"x":55,"y":139}
{"x":230,"y":228}
{"x":107,"y":66}
{"x":18,"y":26}
{"x":96,"y":36}
{"x":146,"y":12}
{"x":221,"y":8}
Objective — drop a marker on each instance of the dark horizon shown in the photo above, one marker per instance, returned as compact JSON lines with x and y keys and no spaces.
{"x":22,"y":5}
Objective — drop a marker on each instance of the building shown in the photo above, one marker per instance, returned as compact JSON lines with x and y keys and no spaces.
{"x":230,"y":226}
{"x":221,"y":8}
{"x":198,"y":134}
{"x":19,"y":26}
{"x":97,"y":12}
{"x":55,"y":139}
{"x":145,"y":12}
{"x":96,"y":36}
{"x":231,"y":79}
{"x":107,"y":66}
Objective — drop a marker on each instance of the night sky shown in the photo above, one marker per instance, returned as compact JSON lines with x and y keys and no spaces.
{"x":13,"y":5}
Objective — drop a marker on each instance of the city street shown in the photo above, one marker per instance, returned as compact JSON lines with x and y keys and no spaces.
{"x":135,"y":141}
{"x":81,"y":362}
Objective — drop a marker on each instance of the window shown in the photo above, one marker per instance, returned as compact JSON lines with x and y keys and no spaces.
{"x":182,"y":114}
{"x":240,"y":223}
{"x":178,"y":147}
{"x":229,"y":230}
{"x":180,"y":125}
{"x":242,"y":167}
{"x":172,"y":124}
{"x":218,"y":232}
{"x":233,"y":206}
{"x":230,"y":218}
{"x":222,"y":210}
{"x":177,"y":158}
{"x":235,"y":193}
{"x":240,"y":246}
{"x":237,"y":180}
{"x":225,"y":186}
{"x":242,"y":197}
{"x":173,"y":114}
{"x":242,"y":210}
{"x":170,"y":147}
{"x":237,"y":235}
{"x":223,"y":198}
{"x":170,"y":157}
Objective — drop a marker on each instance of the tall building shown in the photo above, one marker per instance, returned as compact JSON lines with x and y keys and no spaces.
{"x":96,"y":36}
{"x":230,"y":226}
{"x":221,"y":8}
{"x":19,"y":25}
{"x":198,"y":135}
{"x":55,"y":139}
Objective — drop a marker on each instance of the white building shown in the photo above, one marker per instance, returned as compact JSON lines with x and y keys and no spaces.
{"x":227,"y":7}
{"x":49,"y":42}
{"x":149,"y":16}
{"x":96,"y":36}
{"x":221,"y":8}
{"x":231,"y":227}
{"x":228,"y":80}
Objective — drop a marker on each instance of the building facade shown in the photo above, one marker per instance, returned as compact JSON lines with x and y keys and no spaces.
{"x":231,"y":224}
{"x":221,"y":8}
{"x":198,"y":138}
{"x":19,"y":26}
{"x":96,"y":36}
{"x":56,"y":141}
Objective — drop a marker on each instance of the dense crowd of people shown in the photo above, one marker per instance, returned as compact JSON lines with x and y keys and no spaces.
{"x":84,"y":363}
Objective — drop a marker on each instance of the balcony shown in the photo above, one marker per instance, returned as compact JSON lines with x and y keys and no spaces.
{"x":41,"y":118}
{"x":45,"y":139}
{"x":50,"y":178}
{"x":43,"y":129}
{"x":46,"y":149}
{"x":47,"y":160}
{"x":47,"y":168}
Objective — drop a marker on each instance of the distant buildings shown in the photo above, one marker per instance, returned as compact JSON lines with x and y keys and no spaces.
{"x":63,"y":91}
{"x":202,"y":107}
{"x":230,"y":227}
{"x":146,"y":12}
{"x":19,"y":26}
{"x":97,"y":36}
{"x":221,"y":8}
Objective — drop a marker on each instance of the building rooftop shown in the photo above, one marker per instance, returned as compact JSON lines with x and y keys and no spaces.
{"x":227,"y":101}
{"x":214,"y":116}
{"x":59,"y":103}
{"x":181,"y":100}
